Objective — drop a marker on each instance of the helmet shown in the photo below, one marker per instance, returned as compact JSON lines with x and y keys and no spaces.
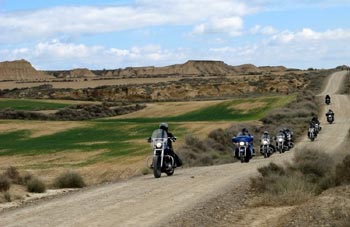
{"x":266,"y":132}
{"x":244,"y":130}
{"x":163,"y":126}
{"x":330,"y":110}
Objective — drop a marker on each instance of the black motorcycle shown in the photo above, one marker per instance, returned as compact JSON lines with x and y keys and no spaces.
{"x":163,"y":162}
{"x":311,"y":133}
{"x":330,"y":118}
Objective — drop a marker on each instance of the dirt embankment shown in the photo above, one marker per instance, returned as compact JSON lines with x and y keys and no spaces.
{"x":180,"y":200}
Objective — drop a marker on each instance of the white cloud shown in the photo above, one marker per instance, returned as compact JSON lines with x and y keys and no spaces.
{"x":59,"y":55}
{"x":231,"y":26}
{"x":80,"y":20}
{"x":301,"y":49}
{"x":266,"y":30}
{"x":308,"y":35}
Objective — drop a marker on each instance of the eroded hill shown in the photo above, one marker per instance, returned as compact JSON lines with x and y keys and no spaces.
{"x":20,"y":70}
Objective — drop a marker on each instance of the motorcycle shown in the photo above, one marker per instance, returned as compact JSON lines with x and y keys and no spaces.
{"x":311,"y":134}
{"x":243,"y":149}
{"x":265,"y":148}
{"x":318,"y":128}
{"x":330,"y":118}
{"x":328,"y":101}
{"x":280,"y":143}
{"x":162,"y":161}
{"x":289,"y":141}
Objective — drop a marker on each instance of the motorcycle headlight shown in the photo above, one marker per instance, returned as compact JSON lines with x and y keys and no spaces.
{"x":280,"y":140}
{"x":241,"y":143}
{"x":264,"y":142}
{"x":159,"y":145}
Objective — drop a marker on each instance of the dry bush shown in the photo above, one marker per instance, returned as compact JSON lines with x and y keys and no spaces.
{"x":5,"y":183}
{"x":342,"y":171}
{"x":310,"y":173}
{"x":270,"y":169}
{"x":313,"y":163}
{"x":35,"y":185}
{"x":13,"y":174}
{"x":69,"y":179}
{"x":5,"y":197}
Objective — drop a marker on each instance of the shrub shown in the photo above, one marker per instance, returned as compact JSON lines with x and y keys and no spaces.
{"x":13,"y":174}
{"x":5,"y":197}
{"x":313,"y":163}
{"x":270,"y":169}
{"x":69,"y":179}
{"x":342,"y":171}
{"x":35,"y":185}
{"x":5,"y":183}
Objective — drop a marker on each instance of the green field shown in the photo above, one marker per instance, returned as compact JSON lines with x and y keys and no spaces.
{"x":127,"y":137}
{"x":32,"y":105}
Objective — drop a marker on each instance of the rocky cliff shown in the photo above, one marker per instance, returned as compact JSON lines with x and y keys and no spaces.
{"x":20,"y":70}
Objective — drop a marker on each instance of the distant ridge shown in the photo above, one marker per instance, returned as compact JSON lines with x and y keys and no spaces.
{"x":20,"y":70}
{"x":190,"y":68}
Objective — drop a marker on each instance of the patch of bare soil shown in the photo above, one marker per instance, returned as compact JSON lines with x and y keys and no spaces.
{"x":39,"y":128}
{"x":167,"y":109}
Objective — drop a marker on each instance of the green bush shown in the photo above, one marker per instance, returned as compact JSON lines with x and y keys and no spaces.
{"x":35,"y":185}
{"x":69,"y":179}
{"x":5,"y":183}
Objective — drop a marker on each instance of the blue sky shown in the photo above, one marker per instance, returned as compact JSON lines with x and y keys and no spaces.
{"x":63,"y":34}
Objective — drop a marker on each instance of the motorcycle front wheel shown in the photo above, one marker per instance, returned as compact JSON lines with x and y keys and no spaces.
{"x":156,"y":166}
{"x":170,"y":172}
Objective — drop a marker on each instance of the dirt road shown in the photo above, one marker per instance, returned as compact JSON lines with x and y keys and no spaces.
{"x":145,"y":201}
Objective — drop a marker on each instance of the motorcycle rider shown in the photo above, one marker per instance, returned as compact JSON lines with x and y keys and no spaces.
{"x":282,"y":133}
{"x":312,"y":125}
{"x":315,"y":121}
{"x":170,"y":149}
{"x":330,"y":112}
{"x":327,"y":99}
{"x":289,"y":136}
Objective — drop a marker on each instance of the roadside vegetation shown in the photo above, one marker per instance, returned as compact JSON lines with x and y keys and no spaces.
{"x":28,"y":182}
{"x":23,"y":183}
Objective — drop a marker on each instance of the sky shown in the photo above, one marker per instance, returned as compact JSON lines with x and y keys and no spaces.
{"x":107,"y":34}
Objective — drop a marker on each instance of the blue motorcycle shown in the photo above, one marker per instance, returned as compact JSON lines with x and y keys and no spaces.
{"x":243,"y":149}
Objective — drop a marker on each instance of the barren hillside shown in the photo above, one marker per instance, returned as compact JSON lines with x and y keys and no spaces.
{"x":20,"y":70}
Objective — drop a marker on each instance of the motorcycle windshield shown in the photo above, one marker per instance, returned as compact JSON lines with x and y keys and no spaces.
{"x":238,"y":139}
{"x":159,"y":136}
